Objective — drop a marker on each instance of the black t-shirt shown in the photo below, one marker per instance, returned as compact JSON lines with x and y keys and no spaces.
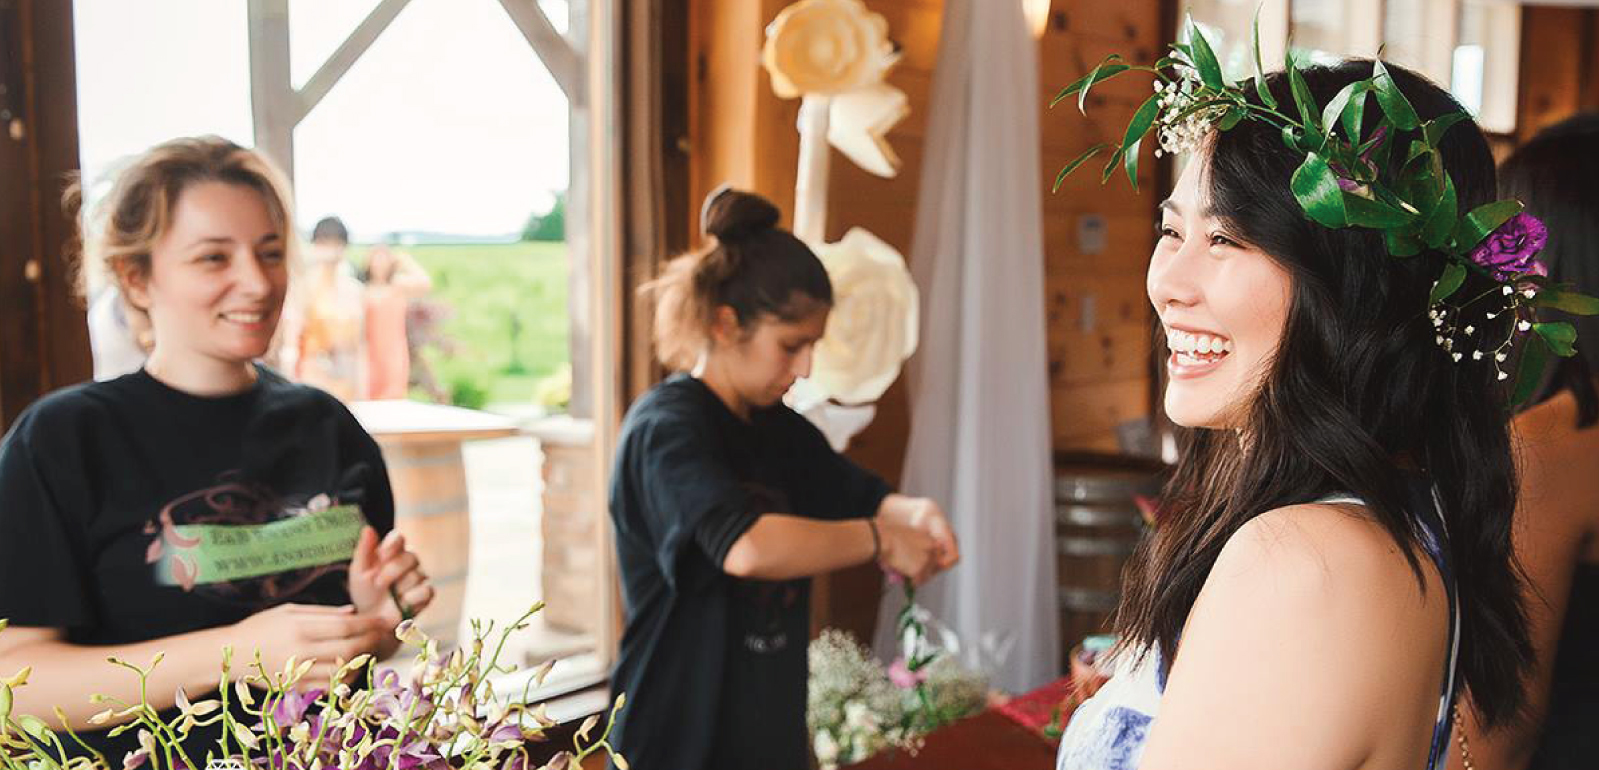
{"x":131,"y":511}
{"x":714,"y":666}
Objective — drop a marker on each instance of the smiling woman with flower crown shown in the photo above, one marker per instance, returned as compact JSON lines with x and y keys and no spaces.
{"x":1340,"y":298}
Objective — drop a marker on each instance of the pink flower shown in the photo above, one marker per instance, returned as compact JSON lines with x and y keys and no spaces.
{"x":1511,"y":250}
{"x":891,"y":577}
{"x":902,"y":676}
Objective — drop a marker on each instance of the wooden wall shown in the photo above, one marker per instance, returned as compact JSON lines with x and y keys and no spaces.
{"x":1098,"y":316}
{"x":1098,"y":337}
{"x":1559,"y":66}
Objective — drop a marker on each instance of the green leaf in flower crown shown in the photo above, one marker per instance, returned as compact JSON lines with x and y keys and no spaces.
{"x":1112,"y":164}
{"x":1394,"y":104}
{"x":1103,"y":71}
{"x":1291,"y":139}
{"x":1303,"y":99}
{"x":1260,"y":70}
{"x":1078,"y":161}
{"x":1440,"y":222}
{"x":1142,"y":120}
{"x":1365,"y":212}
{"x":1232,"y":118}
{"x":1315,"y":186}
{"x":1560,"y":336}
{"x":1350,"y":100}
{"x":1402,"y":244}
{"x":1529,"y":371}
{"x":1130,"y":162}
{"x":1483,"y":220}
{"x":1434,"y":129}
{"x":1453,"y":276}
{"x":1568,"y":301}
{"x":1204,"y":58}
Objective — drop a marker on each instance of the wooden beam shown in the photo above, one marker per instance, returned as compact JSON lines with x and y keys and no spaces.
{"x":272,"y":99}
{"x":348,"y":52}
{"x":559,"y":57}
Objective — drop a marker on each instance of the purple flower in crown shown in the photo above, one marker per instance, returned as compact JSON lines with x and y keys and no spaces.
{"x":1511,"y":250}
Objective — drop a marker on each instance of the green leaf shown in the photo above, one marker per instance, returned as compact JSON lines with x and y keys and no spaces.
{"x":1100,"y":72}
{"x":1434,"y":129}
{"x":1130,"y":161}
{"x":1352,"y":96}
{"x":1142,"y":120}
{"x":1402,"y":244}
{"x":1568,"y":301}
{"x":1112,"y":164}
{"x":1560,"y":336}
{"x":1232,"y":118}
{"x":5,"y":702}
{"x":1260,"y":70}
{"x":1291,"y":139}
{"x":1440,"y":221}
{"x":1365,"y":212}
{"x":1205,"y":58}
{"x":1078,"y":161}
{"x":1394,"y":104}
{"x":1076,"y":85}
{"x":1305,"y":102}
{"x":1483,"y":220}
{"x":1454,"y":275}
{"x":1315,"y":186}
{"x":1529,"y":371}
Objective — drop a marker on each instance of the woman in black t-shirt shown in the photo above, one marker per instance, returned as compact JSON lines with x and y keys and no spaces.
{"x":726,"y":502}
{"x":202,"y":502}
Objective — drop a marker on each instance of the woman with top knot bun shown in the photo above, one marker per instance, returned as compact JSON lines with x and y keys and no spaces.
{"x":726,"y":503}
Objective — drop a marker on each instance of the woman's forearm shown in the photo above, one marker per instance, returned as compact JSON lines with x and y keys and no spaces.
{"x":65,"y":675}
{"x":783,"y":547}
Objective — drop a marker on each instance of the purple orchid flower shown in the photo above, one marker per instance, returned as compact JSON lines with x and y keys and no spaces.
{"x":1511,"y":250}
{"x":292,"y":708}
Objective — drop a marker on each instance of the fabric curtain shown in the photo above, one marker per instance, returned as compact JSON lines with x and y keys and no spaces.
{"x":980,"y":416}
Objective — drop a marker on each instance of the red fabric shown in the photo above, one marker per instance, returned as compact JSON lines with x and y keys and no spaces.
{"x":1035,"y":710}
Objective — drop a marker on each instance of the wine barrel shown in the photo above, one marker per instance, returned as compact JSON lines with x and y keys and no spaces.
{"x":1097,"y":526}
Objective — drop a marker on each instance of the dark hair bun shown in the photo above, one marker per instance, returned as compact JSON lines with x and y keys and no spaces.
{"x":733,"y":215}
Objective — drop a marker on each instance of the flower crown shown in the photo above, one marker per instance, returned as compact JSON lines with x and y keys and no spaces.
{"x":1350,"y":180}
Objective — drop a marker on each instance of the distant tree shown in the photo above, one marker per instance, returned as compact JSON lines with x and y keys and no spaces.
{"x":550,"y":225}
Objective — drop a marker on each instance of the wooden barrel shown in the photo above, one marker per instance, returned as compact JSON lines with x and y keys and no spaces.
{"x":421,"y":446}
{"x":430,"y":509}
{"x":1097,"y":525}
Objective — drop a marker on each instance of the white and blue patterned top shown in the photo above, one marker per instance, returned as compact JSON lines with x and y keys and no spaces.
{"x":1108,"y":731}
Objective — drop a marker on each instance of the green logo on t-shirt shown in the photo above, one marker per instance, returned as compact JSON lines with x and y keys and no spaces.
{"x":201,"y":554}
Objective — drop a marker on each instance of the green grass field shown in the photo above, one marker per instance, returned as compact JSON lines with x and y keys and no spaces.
{"x":486,"y":286}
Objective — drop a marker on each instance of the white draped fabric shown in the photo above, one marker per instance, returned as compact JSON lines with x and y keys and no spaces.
{"x":980,"y":416}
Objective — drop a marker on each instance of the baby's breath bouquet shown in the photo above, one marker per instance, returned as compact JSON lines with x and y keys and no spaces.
{"x":857,"y":708}
{"x":442,"y":715}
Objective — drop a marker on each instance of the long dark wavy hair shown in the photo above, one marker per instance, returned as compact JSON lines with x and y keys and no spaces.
{"x":1358,"y":400}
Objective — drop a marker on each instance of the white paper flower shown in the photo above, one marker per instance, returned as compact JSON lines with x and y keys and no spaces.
{"x":872,"y":328}
{"x":826,"y":47}
{"x":859,"y":122}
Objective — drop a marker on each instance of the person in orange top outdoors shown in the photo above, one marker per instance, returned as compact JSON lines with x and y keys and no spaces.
{"x":393,"y":280}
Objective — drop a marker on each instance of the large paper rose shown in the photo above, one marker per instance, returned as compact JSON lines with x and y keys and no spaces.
{"x":825,"y":48}
{"x":872,"y":329}
{"x":859,"y":123}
